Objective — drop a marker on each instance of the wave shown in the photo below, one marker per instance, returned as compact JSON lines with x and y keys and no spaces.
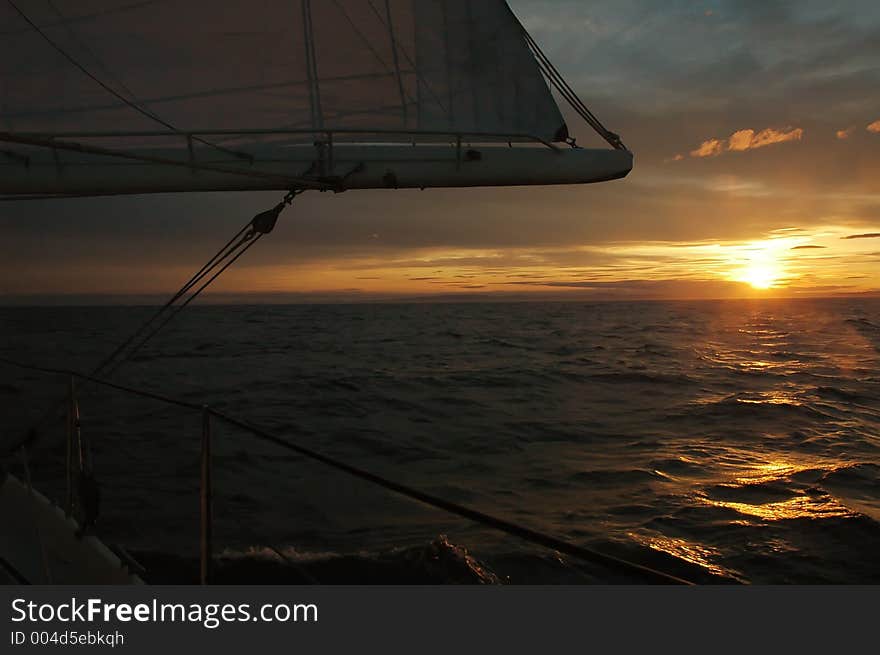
{"x":438,"y":562}
{"x":617,"y":476}
{"x":864,"y":475}
{"x":836,"y":393}
{"x":741,"y":409}
{"x":635,"y":377}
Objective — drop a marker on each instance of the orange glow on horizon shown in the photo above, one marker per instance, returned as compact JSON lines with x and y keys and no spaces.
{"x":825,"y":260}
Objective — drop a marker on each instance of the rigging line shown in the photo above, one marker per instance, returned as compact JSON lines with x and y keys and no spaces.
{"x":312,"y":66}
{"x":522,"y":532}
{"x":74,"y":146}
{"x":102,"y":367}
{"x":367,"y":43}
{"x":396,"y":60}
{"x":559,"y":83}
{"x":251,"y":241}
{"x":563,"y":86}
{"x":85,"y":46}
{"x":188,"y":285}
{"x":409,"y":60}
{"x":49,"y":370}
{"x":48,"y":196}
{"x":525,"y":533}
{"x":447,"y":60}
{"x":556,"y":77}
{"x":315,"y":76}
{"x":569,"y":93}
{"x":571,"y":99}
{"x":134,"y":105}
{"x":96,"y":14}
{"x":261,"y":224}
{"x":475,"y":101}
{"x":207,"y":93}
{"x":247,"y":236}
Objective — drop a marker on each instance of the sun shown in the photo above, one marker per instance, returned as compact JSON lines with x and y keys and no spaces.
{"x":759,"y":266}
{"x":760,"y":276}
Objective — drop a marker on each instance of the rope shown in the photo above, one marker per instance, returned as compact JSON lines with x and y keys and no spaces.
{"x":558,"y":82}
{"x":522,"y":532}
{"x":556,"y":79}
{"x":244,"y":239}
{"x":502,"y":525}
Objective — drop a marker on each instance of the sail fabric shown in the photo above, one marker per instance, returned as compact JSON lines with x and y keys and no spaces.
{"x":446,"y":66}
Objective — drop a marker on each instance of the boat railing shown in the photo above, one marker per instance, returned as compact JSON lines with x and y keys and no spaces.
{"x":209,"y":414}
{"x":328,"y":134}
{"x":325,"y":141}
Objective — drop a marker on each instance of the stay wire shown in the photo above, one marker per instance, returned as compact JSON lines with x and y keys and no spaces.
{"x":219,"y":256}
{"x":130,"y":103}
{"x":244,"y":239}
{"x":569,"y":94}
{"x":251,"y":241}
{"x":249,"y":234}
{"x":558,"y":81}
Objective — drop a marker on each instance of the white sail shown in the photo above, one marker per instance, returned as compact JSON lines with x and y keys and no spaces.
{"x":244,"y":82}
{"x":428,"y":65}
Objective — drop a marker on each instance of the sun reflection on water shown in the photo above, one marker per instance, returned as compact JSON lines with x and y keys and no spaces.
{"x":689,"y":551}
{"x":768,"y":472}
{"x":772,"y":397}
{"x":801,"y":506}
{"x":804,"y":503}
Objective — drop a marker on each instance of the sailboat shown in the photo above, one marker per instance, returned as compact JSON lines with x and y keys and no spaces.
{"x":113,"y":97}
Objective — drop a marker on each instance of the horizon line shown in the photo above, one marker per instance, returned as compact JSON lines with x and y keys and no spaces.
{"x":308,"y":298}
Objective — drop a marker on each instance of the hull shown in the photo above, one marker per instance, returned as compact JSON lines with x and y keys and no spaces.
{"x":40,"y":545}
{"x":339,"y":168}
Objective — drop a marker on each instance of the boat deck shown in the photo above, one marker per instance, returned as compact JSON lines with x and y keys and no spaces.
{"x":40,"y":545}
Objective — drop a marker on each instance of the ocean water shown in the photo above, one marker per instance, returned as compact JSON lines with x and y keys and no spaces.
{"x":719,"y":441}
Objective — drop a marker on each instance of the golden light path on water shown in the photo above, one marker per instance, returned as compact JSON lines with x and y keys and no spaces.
{"x":689,"y":551}
{"x":757,"y":488}
{"x":802,"y":504}
{"x":799,"y":507}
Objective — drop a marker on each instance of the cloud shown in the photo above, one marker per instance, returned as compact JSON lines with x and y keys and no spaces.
{"x":869,"y":235}
{"x":806,"y":247}
{"x":747,"y":139}
{"x":711,"y":148}
{"x":845,"y":134}
{"x":874,"y":127}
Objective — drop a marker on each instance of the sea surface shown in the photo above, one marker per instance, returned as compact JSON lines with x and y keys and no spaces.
{"x":729,"y":441}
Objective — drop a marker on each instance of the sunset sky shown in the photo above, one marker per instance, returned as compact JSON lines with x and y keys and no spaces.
{"x":756,"y":132}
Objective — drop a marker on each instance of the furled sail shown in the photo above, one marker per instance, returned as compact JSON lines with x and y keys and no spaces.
{"x":137,"y":96}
